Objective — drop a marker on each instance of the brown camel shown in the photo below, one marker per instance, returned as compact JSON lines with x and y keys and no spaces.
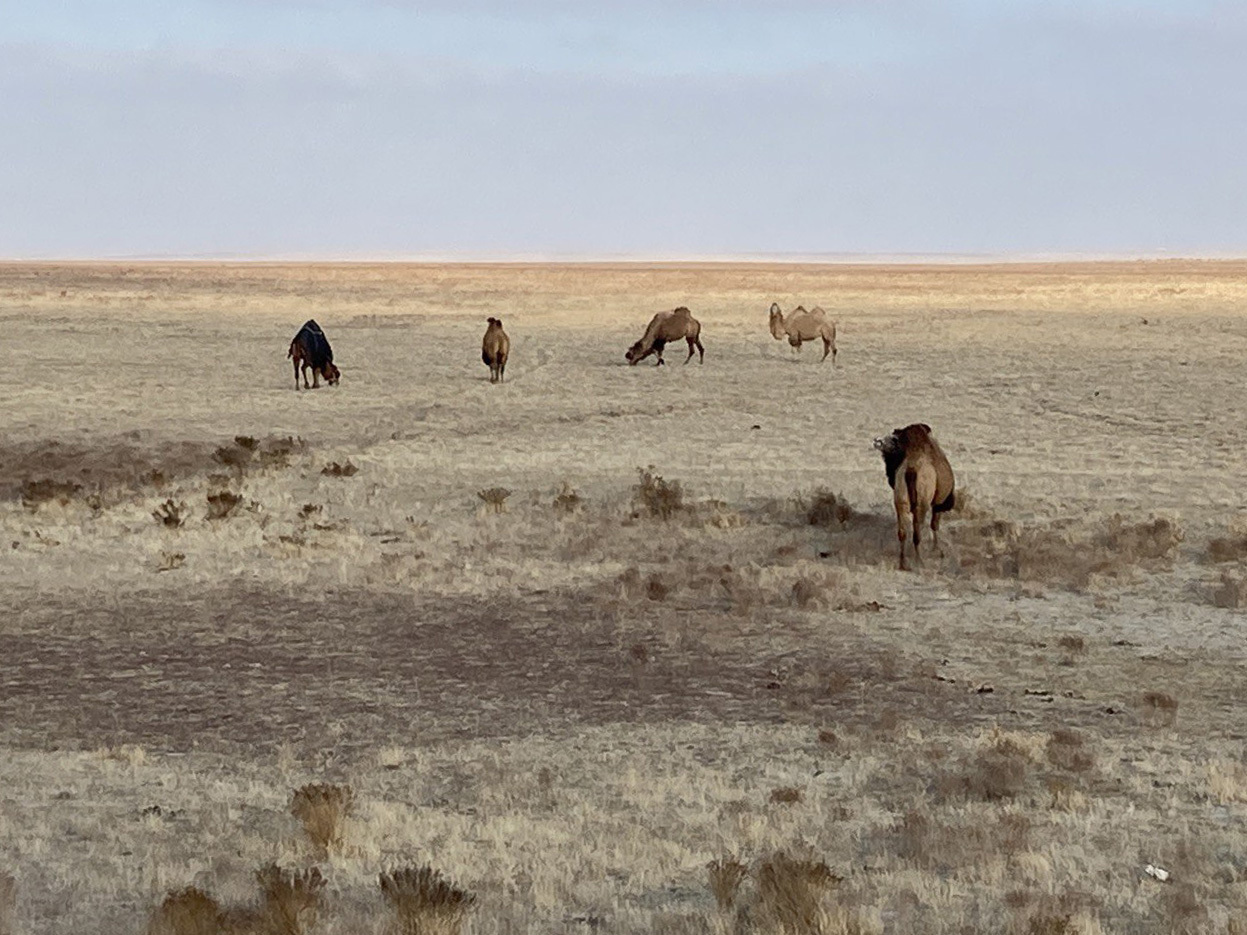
{"x":803,"y":326}
{"x":664,"y":327}
{"x":495,"y":349}
{"x":921,"y":478}
{"x":310,"y":349}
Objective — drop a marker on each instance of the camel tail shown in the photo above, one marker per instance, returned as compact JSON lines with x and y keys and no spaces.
{"x":948,"y":503}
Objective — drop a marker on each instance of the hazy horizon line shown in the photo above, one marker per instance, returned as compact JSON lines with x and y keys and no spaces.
{"x":573,"y":258}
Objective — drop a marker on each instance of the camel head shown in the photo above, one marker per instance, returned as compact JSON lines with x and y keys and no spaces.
{"x":898,"y":440}
{"x":633,"y":354}
{"x":494,"y":322}
{"x":777,"y":321}
{"x":331,"y":374}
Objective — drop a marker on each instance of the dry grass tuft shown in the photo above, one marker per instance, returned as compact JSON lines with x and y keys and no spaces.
{"x":1232,"y":548}
{"x":334,"y":469}
{"x":1227,"y":781}
{"x":726,"y":876}
{"x":235,"y":456}
{"x":1067,"y":750}
{"x":1065,"y":553}
{"x":8,"y":904}
{"x":793,"y":893}
{"x":567,"y":501}
{"x":495,"y":497}
{"x":188,"y":911}
{"x":222,"y":504}
{"x":657,"y":589}
{"x":171,"y":561}
{"x":1072,"y":644}
{"x":1231,"y":593}
{"x":1065,"y":797}
{"x":1159,"y":709}
{"x":291,"y":899}
{"x":37,"y":492}
{"x":828,"y":509}
{"x":656,"y":496}
{"x":994,"y":774}
{"x":169,"y":514}
{"x":786,"y":795}
{"x":935,"y":845}
{"x":807,"y":592}
{"x":323,"y":809}
{"x":276,"y":452}
{"x":424,"y":902}
{"x":1187,"y":912}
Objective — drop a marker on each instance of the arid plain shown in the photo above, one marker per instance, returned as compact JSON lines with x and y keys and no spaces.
{"x":217,"y":589}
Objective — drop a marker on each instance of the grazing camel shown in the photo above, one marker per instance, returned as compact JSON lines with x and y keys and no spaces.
{"x":803,"y":326}
{"x":495,"y":349}
{"x":310,"y":348}
{"x":913,"y":456}
{"x":664,"y":327}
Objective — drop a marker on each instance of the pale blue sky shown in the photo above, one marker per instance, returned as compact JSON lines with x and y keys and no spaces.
{"x":646,"y":128}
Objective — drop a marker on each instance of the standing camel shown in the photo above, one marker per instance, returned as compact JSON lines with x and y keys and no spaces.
{"x":495,"y":349}
{"x":921,"y":479}
{"x":803,"y":326}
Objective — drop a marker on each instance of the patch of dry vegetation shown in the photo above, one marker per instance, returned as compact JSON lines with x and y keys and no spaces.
{"x":34,"y":493}
{"x":1231,"y":592}
{"x":291,"y":900}
{"x":336,"y":469}
{"x":567,"y":501}
{"x":424,"y":902}
{"x":222,"y":504}
{"x":1068,"y":553}
{"x":322,"y":809}
{"x":826,"y":508}
{"x":655,"y":496}
{"x":188,"y":911}
{"x":170,"y":514}
{"x":8,"y":904}
{"x":726,"y":876}
{"x":794,"y":895}
{"x":495,"y":498}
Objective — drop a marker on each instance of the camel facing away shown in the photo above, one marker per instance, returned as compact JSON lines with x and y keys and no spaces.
{"x":803,"y":326}
{"x":495,"y":349}
{"x":664,"y":327}
{"x":921,"y":479}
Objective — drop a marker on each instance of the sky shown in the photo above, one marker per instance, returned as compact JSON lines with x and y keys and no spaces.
{"x":623,"y":128}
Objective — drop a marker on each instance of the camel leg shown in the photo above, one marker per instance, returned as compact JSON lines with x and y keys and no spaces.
{"x":690,"y":350}
{"x":901,"y":502}
{"x":935,"y":532}
{"x":826,"y":349}
{"x":296,"y":374}
{"x":920,"y":518}
{"x":306,"y":385}
{"x":701,"y":351}
{"x":315,"y":378}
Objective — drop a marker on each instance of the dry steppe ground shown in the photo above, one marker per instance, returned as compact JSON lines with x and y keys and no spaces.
{"x":217,"y":590}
